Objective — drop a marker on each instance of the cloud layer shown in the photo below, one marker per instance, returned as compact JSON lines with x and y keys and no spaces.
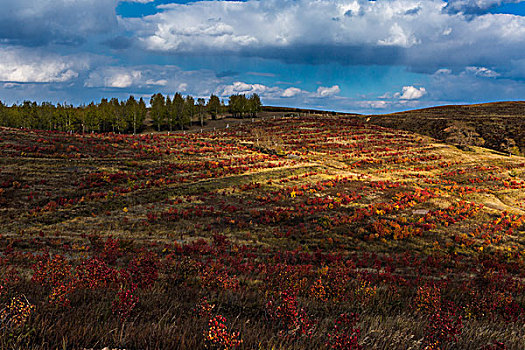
{"x":21,"y":65}
{"x":289,"y":51}
{"x":422,"y":35}
{"x":66,"y":22}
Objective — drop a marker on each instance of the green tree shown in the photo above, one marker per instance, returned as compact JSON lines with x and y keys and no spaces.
{"x":16,"y":116}
{"x":254,"y":105}
{"x":133,"y":115}
{"x":8,"y":116}
{"x":214,"y":106}
{"x":158,"y":110}
{"x":233,"y":105}
{"x":105,"y":113}
{"x":2,"y":113}
{"x":142,"y":112}
{"x":178,"y":109}
{"x":29,"y":114}
{"x":189,"y":108}
{"x":243,"y":105}
{"x":201,"y":108}
{"x":238,"y":105}
{"x":171,"y":115}
{"x":117,"y":115}
{"x":91,"y":120}
{"x":45,"y":116}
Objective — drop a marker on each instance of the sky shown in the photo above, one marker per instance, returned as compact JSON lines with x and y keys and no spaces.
{"x":354,"y":56}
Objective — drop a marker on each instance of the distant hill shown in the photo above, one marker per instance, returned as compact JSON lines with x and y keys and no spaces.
{"x":499,"y":125}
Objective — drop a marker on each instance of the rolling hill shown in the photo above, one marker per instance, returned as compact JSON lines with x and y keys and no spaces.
{"x":499,"y":126}
{"x":311,"y":232}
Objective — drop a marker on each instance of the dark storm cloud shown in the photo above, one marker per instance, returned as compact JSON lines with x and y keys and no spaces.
{"x":119,"y":43}
{"x":329,"y":53}
{"x":35,"y":23}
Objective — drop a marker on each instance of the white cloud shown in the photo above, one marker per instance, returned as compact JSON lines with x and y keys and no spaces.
{"x":379,"y":104}
{"x":291,"y":92}
{"x":275,"y":93}
{"x":245,"y":88}
{"x":418,"y":34}
{"x":160,"y":82}
{"x":327,"y":91}
{"x":398,"y":37}
{"x":447,"y":31}
{"x":411,"y":93}
{"x":482,"y":72}
{"x":166,"y":79}
{"x":221,"y":25}
{"x":123,"y":80}
{"x":30,"y":66}
{"x":114,"y":77}
{"x":443,"y":71}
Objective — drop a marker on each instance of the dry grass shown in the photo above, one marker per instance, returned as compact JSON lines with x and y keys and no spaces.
{"x":290,"y":215}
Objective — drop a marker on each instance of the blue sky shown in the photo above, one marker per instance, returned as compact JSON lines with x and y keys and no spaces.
{"x":357,"y":56}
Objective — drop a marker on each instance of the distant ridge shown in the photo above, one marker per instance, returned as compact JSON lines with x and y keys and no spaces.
{"x":496,"y":125}
{"x":514,"y":108}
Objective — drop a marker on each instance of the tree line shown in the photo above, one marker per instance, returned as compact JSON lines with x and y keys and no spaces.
{"x":127,"y":116}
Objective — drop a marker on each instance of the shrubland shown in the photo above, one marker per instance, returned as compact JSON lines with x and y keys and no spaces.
{"x":288,"y":233}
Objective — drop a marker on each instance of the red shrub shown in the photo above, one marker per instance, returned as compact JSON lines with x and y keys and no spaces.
{"x":344,"y":335}
{"x":217,"y":336}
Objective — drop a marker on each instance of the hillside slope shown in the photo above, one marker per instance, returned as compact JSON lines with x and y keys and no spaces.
{"x":499,"y":126}
{"x":290,"y":233}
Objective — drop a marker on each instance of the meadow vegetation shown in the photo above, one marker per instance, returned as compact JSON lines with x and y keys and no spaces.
{"x":319,"y":232}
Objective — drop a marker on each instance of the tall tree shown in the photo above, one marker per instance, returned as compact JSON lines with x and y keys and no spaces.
{"x":254,"y":104}
{"x":233,"y":105}
{"x":91,"y":121}
{"x":28,"y":111}
{"x":201,"y":107}
{"x":4,"y":115}
{"x":105,"y":115}
{"x":131,"y":113}
{"x":142,"y":112}
{"x":158,"y":110}
{"x":238,"y":105}
{"x":178,"y":107}
{"x":243,"y":105}
{"x":118,"y":119}
{"x":189,"y":108}
{"x":214,"y":106}
{"x":171,"y":115}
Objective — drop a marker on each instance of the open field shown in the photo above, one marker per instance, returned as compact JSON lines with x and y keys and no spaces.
{"x":288,"y":233}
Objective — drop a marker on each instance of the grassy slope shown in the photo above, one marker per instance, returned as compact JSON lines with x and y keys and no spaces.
{"x":493,"y":121}
{"x":50,"y":177}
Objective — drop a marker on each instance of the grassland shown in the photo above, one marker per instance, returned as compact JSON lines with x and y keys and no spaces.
{"x":287,"y":233}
